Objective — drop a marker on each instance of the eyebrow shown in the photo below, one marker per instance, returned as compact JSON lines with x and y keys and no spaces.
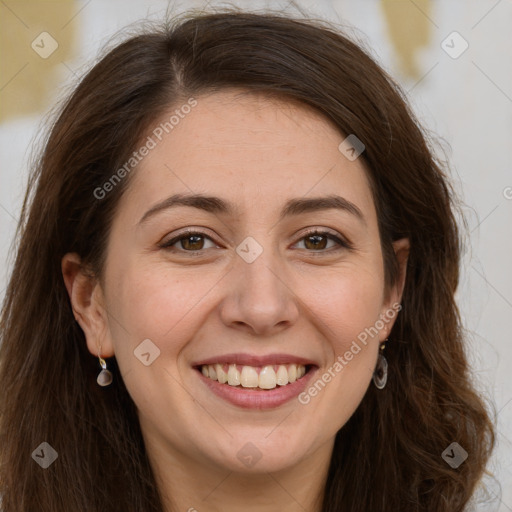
{"x":216,"y":205}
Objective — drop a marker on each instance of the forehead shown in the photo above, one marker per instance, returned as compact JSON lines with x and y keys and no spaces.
{"x":251,"y":149}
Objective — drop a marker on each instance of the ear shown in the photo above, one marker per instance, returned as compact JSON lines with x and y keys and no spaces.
{"x":394,"y":295}
{"x":87,"y":302}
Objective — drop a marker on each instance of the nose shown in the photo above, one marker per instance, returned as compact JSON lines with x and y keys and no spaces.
{"x":259,"y":299}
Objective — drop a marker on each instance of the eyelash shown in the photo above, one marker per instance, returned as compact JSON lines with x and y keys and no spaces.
{"x":343,"y":243}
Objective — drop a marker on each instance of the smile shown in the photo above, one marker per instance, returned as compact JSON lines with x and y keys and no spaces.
{"x":259,"y":377}
{"x":256,"y":381}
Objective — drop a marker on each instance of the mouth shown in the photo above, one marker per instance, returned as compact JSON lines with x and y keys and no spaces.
{"x":254,"y":377}
{"x":256,"y":382}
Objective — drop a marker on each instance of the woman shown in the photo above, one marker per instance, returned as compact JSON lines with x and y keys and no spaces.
{"x":234,"y":287}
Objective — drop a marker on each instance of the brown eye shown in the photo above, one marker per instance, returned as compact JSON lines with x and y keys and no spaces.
{"x":315,"y":241}
{"x":318,"y":241}
{"x":188,"y":242}
{"x":192,"y":242}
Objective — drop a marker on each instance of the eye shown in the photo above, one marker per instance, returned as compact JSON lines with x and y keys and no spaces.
{"x":194,"y":241}
{"x":190,"y":241}
{"x":317,"y":241}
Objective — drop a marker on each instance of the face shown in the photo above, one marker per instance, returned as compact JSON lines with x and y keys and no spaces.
{"x":272,"y":279}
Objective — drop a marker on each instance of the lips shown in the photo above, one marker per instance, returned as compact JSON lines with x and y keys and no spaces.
{"x":259,"y":382}
{"x":254,"y":360}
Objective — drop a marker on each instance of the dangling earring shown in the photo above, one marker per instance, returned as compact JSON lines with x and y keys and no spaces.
{"x":380,"y":375}
{"x":105,"y":376}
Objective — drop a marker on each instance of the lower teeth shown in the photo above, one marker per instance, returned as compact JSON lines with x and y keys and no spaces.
{"x":256,"y":388}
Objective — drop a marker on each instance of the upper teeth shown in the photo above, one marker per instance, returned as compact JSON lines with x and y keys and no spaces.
{"x":263,"y":377}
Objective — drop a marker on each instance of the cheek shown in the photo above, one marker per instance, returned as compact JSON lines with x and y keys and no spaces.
{"x":344,"y":302}
{"x":345,"y":308}
{"x":159,"y":304}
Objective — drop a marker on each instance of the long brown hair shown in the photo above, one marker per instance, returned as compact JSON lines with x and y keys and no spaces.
{"x":387,"y":457}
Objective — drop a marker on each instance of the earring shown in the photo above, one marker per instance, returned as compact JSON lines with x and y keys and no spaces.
{"x":105,"y":376}
{"x":380,"y":375}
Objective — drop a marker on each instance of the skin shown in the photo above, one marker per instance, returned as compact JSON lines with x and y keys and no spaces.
{"x":257,"y":153}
